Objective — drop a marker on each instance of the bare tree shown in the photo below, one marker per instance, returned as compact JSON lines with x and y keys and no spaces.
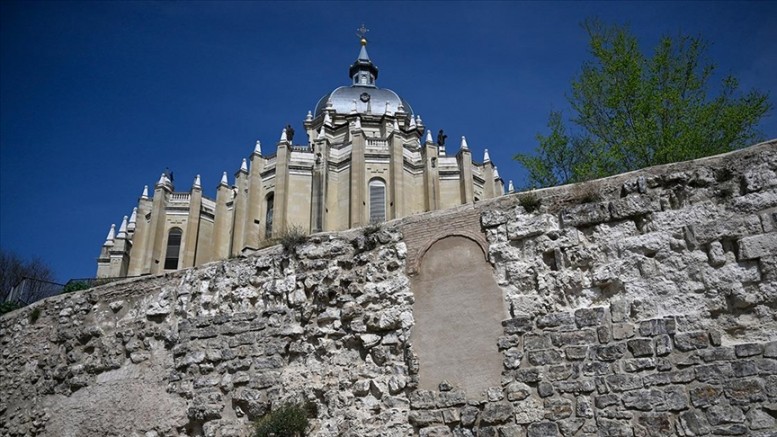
{"x":14,"y":270}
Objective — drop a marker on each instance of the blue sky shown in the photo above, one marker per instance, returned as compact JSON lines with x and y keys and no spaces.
{"x":96,"y":99}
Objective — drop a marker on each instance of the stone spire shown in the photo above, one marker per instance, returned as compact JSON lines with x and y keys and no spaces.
{"x":258,"y":147}
{"x":327,"y":118}
{"x":496,"y":173}
{"x":284,"y":138}
{"x":412,"y":125}
{"x":510,"y":187}
{"x":358,"y":123}
{"x":309,"y":117}
{"x":429,"y":139}
{"x":396,"y":125}
{"x":133,"y":220}
{"x":123,"y":228}
{"x":111,"y":236}
{"x":486,"y":157}
{"x":162,"y":179}
{"x":244,"y":166}
{"x":464,"y":145}
{"x":321,"y":133}
{"x":197,"y":183}
{"x":145,"y":192}
{"x":224,"y":180}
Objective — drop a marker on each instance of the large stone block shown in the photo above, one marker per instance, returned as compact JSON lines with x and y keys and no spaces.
{"x":424,"y":418}
{"x":622,"y":382}
{"x":574,"y":338}
{"x":517,"y":325}
{"x":586,"y":214}
{"x":585,"y":317}
{"x":543,"y":429}
{"x":722,"y":414}
{"x":526,"y":226}
{"x":556,"y":320}
{"x":694,"y":422}
{"x":657,"y":424}
{"x":641,"y":347}
{"x":496,"y":412}
{"x":730,"y":227}
{"x":687,"y":341}
{"x":655,"y":327}
{"x":633,"y":206}
{"x":745,"y":391}
{"x":757,"y":246}
{"x":544,"y":357}
{"x":611,"y":352}
{"x":558,"y":408}
{"x":714,"y":373}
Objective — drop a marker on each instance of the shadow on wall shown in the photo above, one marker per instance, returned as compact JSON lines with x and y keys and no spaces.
{"x":458,"y":311}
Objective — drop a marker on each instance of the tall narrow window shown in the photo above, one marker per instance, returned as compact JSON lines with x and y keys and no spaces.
{"x":173,"y":249}
{"x":377,"y":200}
{"x":268,"y":215}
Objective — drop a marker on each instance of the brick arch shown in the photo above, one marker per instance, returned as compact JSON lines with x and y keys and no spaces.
{"x":478,"y":237}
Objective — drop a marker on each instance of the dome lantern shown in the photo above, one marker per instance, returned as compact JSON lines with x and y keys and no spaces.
{"x":370,"y":100}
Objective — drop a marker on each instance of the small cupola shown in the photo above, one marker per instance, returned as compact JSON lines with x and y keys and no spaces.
{"x":363,"y":72}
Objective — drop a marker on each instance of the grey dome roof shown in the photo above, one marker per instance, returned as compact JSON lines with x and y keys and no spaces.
{"x":369,"y":98}
{"x":343,"y":97}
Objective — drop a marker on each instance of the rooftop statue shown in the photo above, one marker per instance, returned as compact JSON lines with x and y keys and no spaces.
{"x":289,"y":133}
{"x":441,"y":138}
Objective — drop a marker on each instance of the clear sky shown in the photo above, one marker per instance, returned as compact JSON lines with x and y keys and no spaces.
{"x":96,"y":99}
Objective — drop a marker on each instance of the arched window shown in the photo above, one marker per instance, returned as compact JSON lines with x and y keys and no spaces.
{"x":268,"y":215}
{"x":173,"y":248}
{"x":377,"y":200}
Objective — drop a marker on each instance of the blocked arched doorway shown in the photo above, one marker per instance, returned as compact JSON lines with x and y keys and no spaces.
{"x":458,"y":312}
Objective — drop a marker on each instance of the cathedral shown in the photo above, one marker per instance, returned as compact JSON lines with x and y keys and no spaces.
{"x":368,"y":158}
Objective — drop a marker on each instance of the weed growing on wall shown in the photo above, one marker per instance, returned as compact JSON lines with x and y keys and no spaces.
{"x":34,"y":315}
{"x":290,"y":420}
{"x":292,"y":238}
{"x":530,"y":202}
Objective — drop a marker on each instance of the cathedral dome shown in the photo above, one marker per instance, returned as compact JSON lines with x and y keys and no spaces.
{"x":368,"y":100}
{"x":362,"y":96}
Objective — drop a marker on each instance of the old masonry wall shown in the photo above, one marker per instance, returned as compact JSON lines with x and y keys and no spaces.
{"x":641,"y":304}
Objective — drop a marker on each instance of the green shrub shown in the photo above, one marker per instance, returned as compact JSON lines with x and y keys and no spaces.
{"x":290,"y":420}
{"x":293,"y":237}
{"x":7,"y":307}
{"x":75,"y":286}
{"x":34,"y":315}
{"x":529,"y":201}
{"x":589,"y":193}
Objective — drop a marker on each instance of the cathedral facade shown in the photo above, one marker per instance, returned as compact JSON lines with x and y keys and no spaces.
{"x":366,"y":160}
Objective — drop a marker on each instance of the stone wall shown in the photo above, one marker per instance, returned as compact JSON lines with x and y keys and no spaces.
{"x":597,"y":371}
{"x":641,"y":304}
{"x":203,"y":351}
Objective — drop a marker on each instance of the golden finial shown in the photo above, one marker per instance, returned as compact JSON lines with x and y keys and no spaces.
{"x":362,"y":33}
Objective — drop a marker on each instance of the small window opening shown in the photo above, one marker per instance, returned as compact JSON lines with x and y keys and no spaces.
{"x":173,"y":249}
{"x":377,"y":201}
{"x":268,"y":215}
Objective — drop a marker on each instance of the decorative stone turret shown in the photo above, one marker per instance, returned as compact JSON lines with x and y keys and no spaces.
{"x":132,"y":221}
{"x":111,"y":236}
{"x":123,"y":229}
